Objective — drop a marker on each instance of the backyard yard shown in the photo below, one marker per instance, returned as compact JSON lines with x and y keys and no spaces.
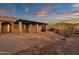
{"x":48,"y":43}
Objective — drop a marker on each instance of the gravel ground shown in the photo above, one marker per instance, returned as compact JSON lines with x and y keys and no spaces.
{"x":38,"y":44}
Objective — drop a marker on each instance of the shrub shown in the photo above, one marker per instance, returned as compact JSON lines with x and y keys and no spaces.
{"x":51,"y":29}
{"x":68,"y":30}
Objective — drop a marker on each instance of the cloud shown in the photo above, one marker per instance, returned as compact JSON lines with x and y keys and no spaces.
{"x":49,"y":9}
{"x":66,"y":12}
{"x":26,"y":9}
{"x":42,"y":12}
{"x":75,"y":5}
{"x":3,"y":10}
{"x":75,"y":13}
{"x":13,"y":9}
{"x":11,"y":6}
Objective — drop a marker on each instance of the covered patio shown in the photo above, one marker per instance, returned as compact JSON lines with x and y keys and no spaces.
{"x":13,"y":25}
{"x":26,"y":26}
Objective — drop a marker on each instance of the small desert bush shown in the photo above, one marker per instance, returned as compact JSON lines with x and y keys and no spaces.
{"x":51,"y":29}
{"x":68,"y":30}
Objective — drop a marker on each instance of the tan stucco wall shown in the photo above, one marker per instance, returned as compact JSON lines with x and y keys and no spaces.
{"x":16,"y":28}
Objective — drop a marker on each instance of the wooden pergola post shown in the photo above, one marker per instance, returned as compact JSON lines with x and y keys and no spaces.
{"x":24,"y":28}
{"x":20,"y":27}
{"x":37,"y":27}
{"x":28,"y":28}
{"x":12,"y":27}
{"x":45,"y":28}
{"x":0,"y":27}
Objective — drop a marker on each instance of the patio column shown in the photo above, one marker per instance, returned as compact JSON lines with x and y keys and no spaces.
{"x":12,"y":27}
{"x":20,"y":27}
{"x":0,"y":27}
{"x":29,"y":28}
{"x":24,"y":28}
{"x":37,"y":28}
{"x":45,"y":28}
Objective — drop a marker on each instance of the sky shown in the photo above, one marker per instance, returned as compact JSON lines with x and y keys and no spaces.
{"x":40,"y":11}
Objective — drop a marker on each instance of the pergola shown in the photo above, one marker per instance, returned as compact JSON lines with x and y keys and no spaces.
{"x":21,"y":21}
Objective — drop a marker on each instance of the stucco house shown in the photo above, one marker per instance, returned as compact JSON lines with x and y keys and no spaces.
{"x":14,"y":25}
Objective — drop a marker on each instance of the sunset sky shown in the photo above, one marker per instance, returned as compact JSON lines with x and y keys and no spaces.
{"x":40,"y":12}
